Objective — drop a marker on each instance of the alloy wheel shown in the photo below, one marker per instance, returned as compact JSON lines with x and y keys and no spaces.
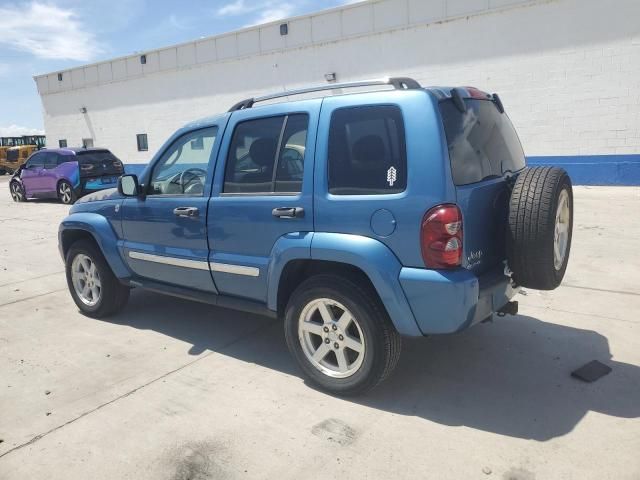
{"x":86,"y":279}
{"x":16,"y":192}
{"x":331,"y":338}
{"x":64,"y":191}
{"x":561,"y":231}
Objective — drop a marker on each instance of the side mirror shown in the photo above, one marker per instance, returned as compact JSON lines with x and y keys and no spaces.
{"x":128,"y":185}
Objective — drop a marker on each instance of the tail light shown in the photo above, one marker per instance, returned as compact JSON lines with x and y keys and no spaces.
{"x":441,"y":237}
{"x":87,"y":167}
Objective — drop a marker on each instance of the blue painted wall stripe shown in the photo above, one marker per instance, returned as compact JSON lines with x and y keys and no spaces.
{"x":596,"y":169}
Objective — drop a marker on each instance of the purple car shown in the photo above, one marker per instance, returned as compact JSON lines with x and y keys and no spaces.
{"x":66,"y":174}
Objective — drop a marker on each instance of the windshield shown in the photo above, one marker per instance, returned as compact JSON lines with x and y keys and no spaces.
{"x":482,"y":142}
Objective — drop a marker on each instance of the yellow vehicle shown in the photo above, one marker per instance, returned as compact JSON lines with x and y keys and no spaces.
{"x":3,"y":159}
{"x":16,"y":157}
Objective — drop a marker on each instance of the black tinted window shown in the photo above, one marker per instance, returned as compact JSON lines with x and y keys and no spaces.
{"x":50,"y":160}
{"x":267,"y":155}
{"x":367,"y":151}
{"x":95,"y":163}
{"x":12,"y":155}
{"x":482,"y":142}
{"x":36,"y":161}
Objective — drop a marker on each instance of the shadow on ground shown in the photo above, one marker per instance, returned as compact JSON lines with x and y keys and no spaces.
{"x":511,"y":377}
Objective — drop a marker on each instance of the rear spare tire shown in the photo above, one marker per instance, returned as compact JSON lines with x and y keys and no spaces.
{"x":540,"y":227}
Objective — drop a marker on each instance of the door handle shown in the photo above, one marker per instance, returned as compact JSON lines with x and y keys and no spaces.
{"x":186,"y":211}
{"x":288,"y":212}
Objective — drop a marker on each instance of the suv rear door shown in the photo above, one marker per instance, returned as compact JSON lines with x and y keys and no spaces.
{"x":263,"y":191}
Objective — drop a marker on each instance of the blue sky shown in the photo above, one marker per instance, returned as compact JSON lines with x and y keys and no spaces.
{"x":39,"y":36}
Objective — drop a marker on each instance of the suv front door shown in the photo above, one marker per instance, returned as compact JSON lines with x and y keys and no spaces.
{"x":165,"y":237}
{"x":263,"y":192}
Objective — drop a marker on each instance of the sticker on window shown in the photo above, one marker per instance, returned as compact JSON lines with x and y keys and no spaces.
{"x":392,"y":176}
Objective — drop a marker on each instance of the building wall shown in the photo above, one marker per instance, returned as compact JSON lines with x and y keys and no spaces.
{"x":568,"y":71}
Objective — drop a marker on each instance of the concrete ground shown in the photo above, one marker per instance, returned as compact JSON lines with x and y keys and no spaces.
{"x":175,"y":390}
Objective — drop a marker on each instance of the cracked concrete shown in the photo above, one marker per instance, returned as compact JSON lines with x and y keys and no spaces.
{"x":170,"y":389}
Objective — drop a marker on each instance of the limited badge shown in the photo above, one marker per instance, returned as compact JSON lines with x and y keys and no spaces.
{"x":392,"y":176}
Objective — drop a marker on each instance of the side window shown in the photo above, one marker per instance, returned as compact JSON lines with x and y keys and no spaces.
{"x":65,"y":158}
{"x":290,"y":164}
{"x":367,"y":151}
{"x":182,"y":169}
{"x":37,"y":161}
{"x":50,"y":160}
{"x":266,"y":155}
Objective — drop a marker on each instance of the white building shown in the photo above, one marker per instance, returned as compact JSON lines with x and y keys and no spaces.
{"x":568,"y":71}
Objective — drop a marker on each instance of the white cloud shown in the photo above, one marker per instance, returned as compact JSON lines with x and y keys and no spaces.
{"x":17,"y":131}
{"x":46,"y":31}
{"x":267,"y":10}
{"x":239,"y":7}
{"x":272,"y":14}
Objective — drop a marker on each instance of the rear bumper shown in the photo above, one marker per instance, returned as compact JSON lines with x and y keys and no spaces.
{"x":449,"y":301}
{"x":88,"y":185}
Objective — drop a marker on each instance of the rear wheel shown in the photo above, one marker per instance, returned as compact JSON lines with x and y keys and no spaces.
{"x":540,"y":227}
{"x":340,"y":335}
{"x":65,"y":193}
{"x":17,"y":192}
{"x":93,"y":286}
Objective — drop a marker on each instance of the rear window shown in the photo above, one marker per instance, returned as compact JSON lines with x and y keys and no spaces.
{"x":482,"y":142}
{"x":97,"y":157}
{"x":94,"y":163}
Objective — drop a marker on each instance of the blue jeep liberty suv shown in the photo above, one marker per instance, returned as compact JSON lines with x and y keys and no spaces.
{"x":393,"y":210}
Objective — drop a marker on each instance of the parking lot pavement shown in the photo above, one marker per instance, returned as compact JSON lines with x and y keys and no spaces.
{"x":175,"y":390}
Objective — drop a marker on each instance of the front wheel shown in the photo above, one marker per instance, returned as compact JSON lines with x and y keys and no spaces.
{"x":93,"y":286}
{"x":17,"y":192}
{"x":340,"y":335}
{"x":65,"y":193}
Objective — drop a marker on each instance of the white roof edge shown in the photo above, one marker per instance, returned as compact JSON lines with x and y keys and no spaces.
{"x":213,"y":37}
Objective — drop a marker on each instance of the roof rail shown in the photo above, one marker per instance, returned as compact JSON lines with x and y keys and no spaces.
{"x":399,"y":83}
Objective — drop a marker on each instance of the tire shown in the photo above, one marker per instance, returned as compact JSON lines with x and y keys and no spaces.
{"x":66,"y":193}
{"x":382,"y":343}
{"x":112,"y":296}
{"x":540,"y":227}
{"x":2,"y":171}
{"x":17,"y":192}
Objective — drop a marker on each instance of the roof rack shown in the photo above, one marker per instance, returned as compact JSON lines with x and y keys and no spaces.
{"x":399,"y":83}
